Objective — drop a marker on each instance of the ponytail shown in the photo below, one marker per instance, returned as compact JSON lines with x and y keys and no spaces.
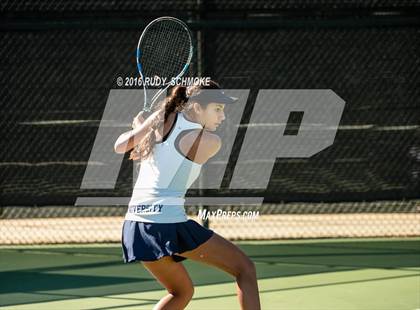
{"x":175,"y":102}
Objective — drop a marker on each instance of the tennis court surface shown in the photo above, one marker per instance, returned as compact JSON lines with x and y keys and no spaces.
{"x":375,"y":273}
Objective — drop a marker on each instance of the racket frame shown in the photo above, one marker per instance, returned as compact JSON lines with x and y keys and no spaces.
{"x":139,"y":66}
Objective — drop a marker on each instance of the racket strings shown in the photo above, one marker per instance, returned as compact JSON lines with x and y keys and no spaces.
{"x":168,"y":63}
{"x":166,"y":49}
{"x":180,"y":44}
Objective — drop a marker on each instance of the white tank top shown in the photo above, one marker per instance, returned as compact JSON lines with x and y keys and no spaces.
{"x":163,"y":179}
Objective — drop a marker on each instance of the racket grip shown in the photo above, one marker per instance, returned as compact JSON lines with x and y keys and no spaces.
{"x":145,"y":114}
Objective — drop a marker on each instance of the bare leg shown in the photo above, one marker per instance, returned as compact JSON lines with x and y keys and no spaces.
{"x":174,"y":277}
{"x":223,"y":254}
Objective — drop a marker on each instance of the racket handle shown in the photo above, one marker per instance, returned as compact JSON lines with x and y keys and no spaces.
{"x":145,"y":114}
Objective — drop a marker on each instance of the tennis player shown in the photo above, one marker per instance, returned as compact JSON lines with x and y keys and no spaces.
{"x":173,"y":143}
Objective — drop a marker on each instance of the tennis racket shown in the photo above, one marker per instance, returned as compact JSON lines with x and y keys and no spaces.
{"x":164,"y":50}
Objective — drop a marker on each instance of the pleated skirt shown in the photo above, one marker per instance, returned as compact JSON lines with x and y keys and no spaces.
{"x":151,"y":241}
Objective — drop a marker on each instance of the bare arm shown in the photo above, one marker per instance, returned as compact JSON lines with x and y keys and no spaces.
{"x":129,"y":139}
{"x":200,"y":151}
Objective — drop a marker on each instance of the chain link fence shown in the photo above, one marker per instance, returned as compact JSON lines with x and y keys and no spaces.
{"x":56,"y":74}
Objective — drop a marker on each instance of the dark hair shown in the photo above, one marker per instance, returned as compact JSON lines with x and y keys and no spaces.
{"x":175,"y":102}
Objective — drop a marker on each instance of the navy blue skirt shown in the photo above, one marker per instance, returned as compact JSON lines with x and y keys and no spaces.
{"x":151,"y":241}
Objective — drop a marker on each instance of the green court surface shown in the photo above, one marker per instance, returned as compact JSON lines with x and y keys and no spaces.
{"x":368,"y":274}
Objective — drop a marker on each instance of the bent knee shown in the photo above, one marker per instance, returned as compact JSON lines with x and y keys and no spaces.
{"x":186,"y":292}
{"x":247,"y":268}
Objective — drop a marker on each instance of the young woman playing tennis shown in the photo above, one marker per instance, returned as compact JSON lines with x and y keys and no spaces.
{"x":173,"y":143}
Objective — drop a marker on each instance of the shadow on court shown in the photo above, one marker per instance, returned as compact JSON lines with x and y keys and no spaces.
{"x":31,"y":275}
